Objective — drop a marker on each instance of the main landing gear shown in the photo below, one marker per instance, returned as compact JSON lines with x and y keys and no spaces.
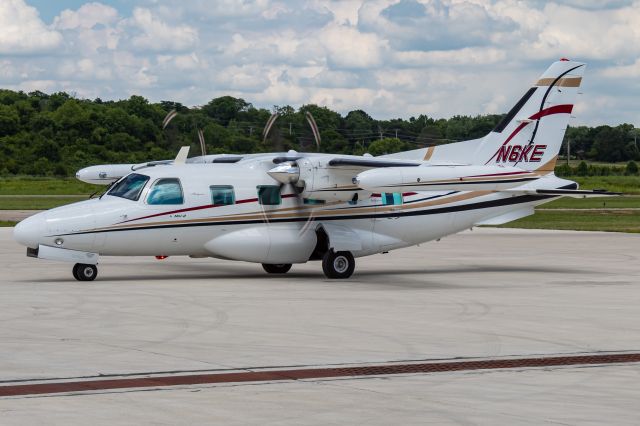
{"x":278,"y":268}
{"x":338,"y":264}
{"x":84,"y":272}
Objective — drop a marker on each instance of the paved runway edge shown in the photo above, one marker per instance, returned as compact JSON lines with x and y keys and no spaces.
{"x":62,"y":386}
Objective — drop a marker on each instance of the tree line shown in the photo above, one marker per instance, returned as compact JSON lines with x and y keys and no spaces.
{"x":56,"y":134}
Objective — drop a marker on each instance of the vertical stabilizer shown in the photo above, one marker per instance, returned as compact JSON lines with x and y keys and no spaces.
{"x":530,"y":134}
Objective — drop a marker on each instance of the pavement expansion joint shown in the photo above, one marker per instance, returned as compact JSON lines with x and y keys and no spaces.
{"x":146,"y":381}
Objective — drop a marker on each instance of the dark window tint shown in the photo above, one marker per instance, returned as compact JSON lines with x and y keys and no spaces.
{"x":166,"y":191}
{"x":222,"y":195}
{"x":312,"y":201}
{"x":391,"y":198}
{"x":129,"y":187}
{"x":269,"y":195}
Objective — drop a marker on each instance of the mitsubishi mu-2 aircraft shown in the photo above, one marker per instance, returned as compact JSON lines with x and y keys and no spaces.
{"x":284,"y":208}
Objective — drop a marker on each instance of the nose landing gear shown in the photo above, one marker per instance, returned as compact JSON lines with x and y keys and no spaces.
{"x":84,"y":272}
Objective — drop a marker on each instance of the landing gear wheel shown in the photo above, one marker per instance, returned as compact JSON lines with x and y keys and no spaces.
{"x":338,"y":265}
{"x":83,"y":272}
{"x":278,"y":268}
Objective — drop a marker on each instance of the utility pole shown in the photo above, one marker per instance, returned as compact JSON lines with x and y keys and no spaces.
{"x":380,"y":130}
{"x":250,"y":131}
{"x":568,"y":151}
{"x":289,"y":128}
{"x":396,"y":133}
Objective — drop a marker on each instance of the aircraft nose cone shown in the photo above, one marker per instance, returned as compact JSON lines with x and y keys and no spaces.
{"x":29,"y":231}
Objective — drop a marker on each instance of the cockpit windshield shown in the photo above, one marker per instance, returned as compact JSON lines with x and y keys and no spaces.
{"x":129,"y":187}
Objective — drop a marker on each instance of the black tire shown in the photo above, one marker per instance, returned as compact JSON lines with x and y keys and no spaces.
{"x":84,"y":272}
{"x":338,"y":265}
{"x":75,"y":272}
{"x":278,"y":268}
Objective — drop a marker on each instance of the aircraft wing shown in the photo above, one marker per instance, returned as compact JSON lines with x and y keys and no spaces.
{"x":370,"y":162}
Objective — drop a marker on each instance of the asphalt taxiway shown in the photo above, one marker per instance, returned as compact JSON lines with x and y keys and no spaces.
{"x":485,"y":327}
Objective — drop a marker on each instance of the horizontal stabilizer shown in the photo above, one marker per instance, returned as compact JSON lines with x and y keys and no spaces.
{"x":573,"y":193}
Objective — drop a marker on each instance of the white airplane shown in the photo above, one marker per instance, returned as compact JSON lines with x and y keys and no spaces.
{"x":280,"y":209}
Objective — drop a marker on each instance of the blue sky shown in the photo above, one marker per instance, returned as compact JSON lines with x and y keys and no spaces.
{"x":49,"y":9}
{"x":391,"y":58}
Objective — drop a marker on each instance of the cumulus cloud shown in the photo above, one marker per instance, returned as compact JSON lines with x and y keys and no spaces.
{"x":157,"y":35}
{"x":346,"y":47}
{"x":87,"y":16}
{"x":22,"y":31}
{"x":392,"y":58}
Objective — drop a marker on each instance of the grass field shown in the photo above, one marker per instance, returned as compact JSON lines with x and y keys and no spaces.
{"x":625,"y":202}
{"x":611,"y":221}
{"x":45,"y":186}
{"x":626,"y":184}
{"x":7,"y":223}
{"x":36,"y":203}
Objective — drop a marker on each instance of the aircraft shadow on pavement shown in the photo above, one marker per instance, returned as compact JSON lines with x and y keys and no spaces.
{"x":415,"y":276}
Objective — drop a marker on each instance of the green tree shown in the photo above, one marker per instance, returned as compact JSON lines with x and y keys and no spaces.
{"x":225,"y":108}
{"x":9,"y":120}
{"x":387,"y":146}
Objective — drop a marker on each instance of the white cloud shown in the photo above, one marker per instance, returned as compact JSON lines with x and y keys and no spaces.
{"x":157,"y":35}
{"x":22,"y":31}
{"x":87,"y":16}
{"x":623,"y":71}
{"x":346,"y":47}
{"x":392,"y":58}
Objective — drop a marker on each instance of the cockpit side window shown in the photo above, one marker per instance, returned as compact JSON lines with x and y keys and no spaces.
{"x":166,"y":191}
{"x":129,"y":187}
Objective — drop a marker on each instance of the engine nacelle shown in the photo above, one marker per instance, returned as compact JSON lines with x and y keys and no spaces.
{"x":443,"y":178}
{"x":323,"y":182}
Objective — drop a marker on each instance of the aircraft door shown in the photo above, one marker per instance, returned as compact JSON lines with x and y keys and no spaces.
{"x":388,"y":231}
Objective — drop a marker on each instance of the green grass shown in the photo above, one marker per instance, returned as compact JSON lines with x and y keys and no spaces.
{"x":7,"y":223}
{"x":45,"y":186}
{"x":36,"y":203}
{"x":574,"y":163}
{"x":626,"y":184}
{"x":611,"y":221}
{"x":625,"y":202}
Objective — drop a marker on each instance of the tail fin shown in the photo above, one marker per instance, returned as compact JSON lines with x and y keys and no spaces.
{"x":530,"y":135}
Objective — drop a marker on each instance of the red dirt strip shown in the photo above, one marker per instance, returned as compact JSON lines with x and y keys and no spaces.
{"x":313,"y":373}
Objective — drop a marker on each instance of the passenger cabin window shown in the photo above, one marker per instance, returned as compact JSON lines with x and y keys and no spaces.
{"x":312,"y":201}
{"x":269,"y":195}
{"x":129,"y":187}
{"x":166,"y":191}
{"x":222,"y":195}
{"x":391,"y":198}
